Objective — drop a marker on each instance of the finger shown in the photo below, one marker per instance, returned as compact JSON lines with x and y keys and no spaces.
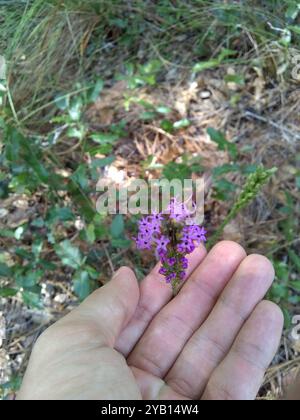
{"x":154,"y":294}
{"x":241,"y":373}
{"x":211,"y":342}
{"x":173,"y":326}
{"x":154,"y":388}
{"x":109,"y":308}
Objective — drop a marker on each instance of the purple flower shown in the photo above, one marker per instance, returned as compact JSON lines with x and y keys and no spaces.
{"x":163,"y":271}
{"x":194,"y":233}
{"x":162,"y":243}
{"x":157,"y":217}
{"x":171,"y":277}
{"x":184,"y":262}
{"x":182,"y":275}
{"x":172,"y":236}
{"x":144,"y":223}
{"x":171,"y":261}
{"x":156,"y":228}
{"x":180,"y":248}
{"x":186,"y":246}
{"x":144,"y":241}
{"x":178,"y":211}
{"x":161,"y":253}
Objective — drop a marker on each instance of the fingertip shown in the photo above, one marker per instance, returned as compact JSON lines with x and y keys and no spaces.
{"x":127,"y":280}
{"x":125,"y":272}
{"x":271,"y":313}
{"x":261,"y":263}
{"x":229,"y":248}
{"x":198,"y":254}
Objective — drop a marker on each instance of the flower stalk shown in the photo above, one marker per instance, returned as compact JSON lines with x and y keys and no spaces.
{"x":172,"y":235}
{"x":254,"y":183}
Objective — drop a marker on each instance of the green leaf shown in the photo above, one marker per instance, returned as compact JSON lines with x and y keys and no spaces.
{"x":30,"y":280}
{"x":293,"y":11}
{"x":75,"y":108}
{"x":295,"y":29}
{"x":205,"y":65}
{"x":82,"y":284}
{"x":81,"y":200}
{"x":90,"y":233}
{"x":101,"y":163}
{"x":95,"y":91}
{"x":226,"y":168}
{"x":248,"y":169}
{"x":19,"y":232}
{"x":235,"y":78}
{"x":104,"y":149}
{"x":80,"y":176}
{"x":167,"y":126}
{"x":226,"y":53}
{"x":105,"y":138}
{"x":147,"y":115}
{"x":38,"y":222}
{"x":69,"y":254}
{"x":163,"y":110}
{"x":295,"y":285}
{"x":76,"y":132}
{"x":121,"y":243}
{"x":295,"y":259}
{"x":7,"y":292}
{"x":2,"y":88}
{"x":62,"y":102}
{"x":60,"y":214}
{"x":117,"y":227}
{"x":214,"y":62}
{"x":223,"y":144}
{"x":32,"y":299}
{"x":181,"y":123}
{"x":218,"y":137}
{"x":225,"y":186}
{"x":174,"y":170}
{"x":24,"y":254}
{"x":5,"y":271}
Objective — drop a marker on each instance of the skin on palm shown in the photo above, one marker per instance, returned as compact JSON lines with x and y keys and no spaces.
{"x":214,"y":340}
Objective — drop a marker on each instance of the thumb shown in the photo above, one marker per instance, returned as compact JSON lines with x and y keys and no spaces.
{"x":111,"y":307}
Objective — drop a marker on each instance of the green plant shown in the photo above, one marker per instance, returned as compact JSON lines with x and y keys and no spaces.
{"x":254,"y":183}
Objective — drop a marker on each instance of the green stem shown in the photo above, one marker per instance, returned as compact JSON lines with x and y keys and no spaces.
{"x":252,"y":187}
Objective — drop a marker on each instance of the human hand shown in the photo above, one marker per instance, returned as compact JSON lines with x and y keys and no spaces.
{"x":214,"y":340}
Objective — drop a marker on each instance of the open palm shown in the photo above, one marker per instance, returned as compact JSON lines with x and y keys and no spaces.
{"x":214,"y":340}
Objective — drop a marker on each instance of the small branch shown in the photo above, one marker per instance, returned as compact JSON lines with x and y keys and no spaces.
{"x":252,"y":115}
{"x":109,"y":260}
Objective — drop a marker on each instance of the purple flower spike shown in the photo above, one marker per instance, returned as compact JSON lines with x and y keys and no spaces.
{"x":172,"y":235}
